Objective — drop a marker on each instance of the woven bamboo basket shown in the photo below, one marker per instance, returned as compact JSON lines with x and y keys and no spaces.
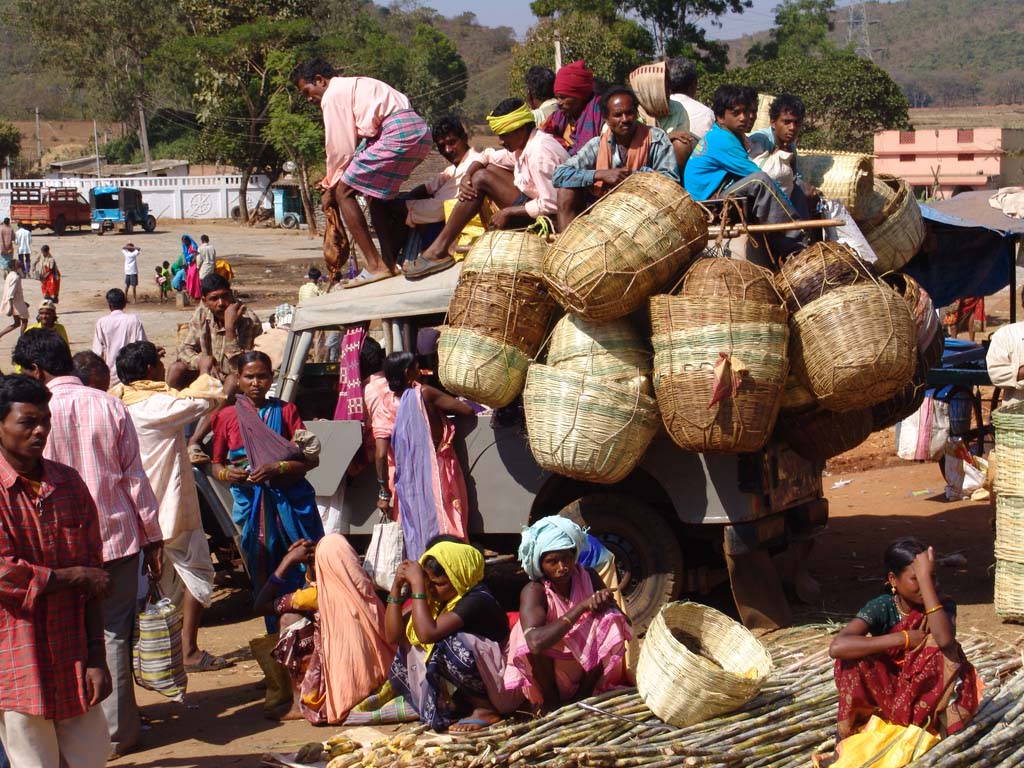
{"x":845,"y":176}
{"x":625,"y":248}
{"x":896,"y":232}
{"x":763,"y":119}
{"x":683,"y":686}
{"x":854,"y":347}
{"x":512,"y":309}
{"x":585,"y":428}
{"x":904,"y":403}
{"x":752,"y":338}
{"x":821,"y":434}
{"x":613,"y":350}
{"x":795,"y":397}
{"x":816,"y":270}
{"x":1009,"y":423}
{"x":480,"y":368}
{"x":507,"y":252}
{"x":921,"y":307}
{"x":1010,"y":528}
{"x":1009,"y":590}
{"x":717,"y":277}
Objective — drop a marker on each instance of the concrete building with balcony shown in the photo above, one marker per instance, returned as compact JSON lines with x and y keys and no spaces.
{"x":942,"y":162}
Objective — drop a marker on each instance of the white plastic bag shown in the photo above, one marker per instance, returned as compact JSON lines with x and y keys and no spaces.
{"x":848,"y":234}
{"x":778,"y":166}
{"x":923,"y":435}
{"x":385,"y":554}
{"x":965,"y":474}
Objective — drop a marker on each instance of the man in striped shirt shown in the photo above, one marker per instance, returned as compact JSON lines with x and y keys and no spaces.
{"x":93,"y":433}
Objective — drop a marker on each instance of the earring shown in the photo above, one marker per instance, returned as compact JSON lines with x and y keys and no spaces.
{"x":892,"y":588}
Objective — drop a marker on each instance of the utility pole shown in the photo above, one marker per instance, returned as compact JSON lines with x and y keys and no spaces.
{"x":144,"y":139}
{"x":39,"y":143}
{"x":558,"y":51}
{"x":96,"y":146}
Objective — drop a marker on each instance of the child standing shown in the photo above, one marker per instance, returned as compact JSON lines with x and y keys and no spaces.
{"x":162,"y":283}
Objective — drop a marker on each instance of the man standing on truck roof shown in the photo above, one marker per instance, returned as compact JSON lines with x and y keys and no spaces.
{"x":6,"y":246}
{"x":23,"y":238}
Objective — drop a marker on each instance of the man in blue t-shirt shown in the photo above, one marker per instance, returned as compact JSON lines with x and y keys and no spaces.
{"x":720,"y":166}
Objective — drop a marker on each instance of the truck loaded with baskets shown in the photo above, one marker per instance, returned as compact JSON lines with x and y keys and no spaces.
{"x":682,"y":403}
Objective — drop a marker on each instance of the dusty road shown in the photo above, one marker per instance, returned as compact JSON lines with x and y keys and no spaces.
{"x":223,"y":724}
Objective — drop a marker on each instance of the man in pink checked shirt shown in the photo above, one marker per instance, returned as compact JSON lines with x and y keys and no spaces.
{"x":93,"y":433}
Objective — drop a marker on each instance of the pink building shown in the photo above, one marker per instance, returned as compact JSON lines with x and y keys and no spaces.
{"x":963,"y":159}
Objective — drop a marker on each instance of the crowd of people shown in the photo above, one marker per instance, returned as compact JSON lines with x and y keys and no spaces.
{"x":97,"y":453}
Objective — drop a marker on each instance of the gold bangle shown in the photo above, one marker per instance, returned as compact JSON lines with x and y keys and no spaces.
{"x":933,"y":610}
{"x":566,"y":619}
{"x":906,"y":640}
{"x":282,"y":467}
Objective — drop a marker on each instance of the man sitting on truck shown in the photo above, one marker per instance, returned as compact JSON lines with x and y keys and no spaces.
{"x":516,"y":179}
{"x":606,"y":160}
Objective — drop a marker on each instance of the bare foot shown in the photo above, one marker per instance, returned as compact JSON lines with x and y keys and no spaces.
{"x":477,"y":720}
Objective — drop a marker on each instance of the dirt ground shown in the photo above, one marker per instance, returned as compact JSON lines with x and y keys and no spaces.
{"x":222,"y":723}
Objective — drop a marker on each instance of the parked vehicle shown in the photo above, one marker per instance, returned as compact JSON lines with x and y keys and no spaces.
{"x":681,"y":522}
{"x":119,"y":207}
{"x":55,"y":208}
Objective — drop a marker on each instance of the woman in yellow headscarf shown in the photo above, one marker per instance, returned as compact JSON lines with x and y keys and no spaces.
{"x":451,"y":654}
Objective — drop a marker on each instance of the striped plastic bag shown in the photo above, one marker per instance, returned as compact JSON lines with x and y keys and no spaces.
{"x":156,"y":658}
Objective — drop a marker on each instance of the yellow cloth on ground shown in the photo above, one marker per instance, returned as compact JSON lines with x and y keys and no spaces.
{"x":517,"y":118}
{"x":464,"y":566}
{"x":900,"y":745}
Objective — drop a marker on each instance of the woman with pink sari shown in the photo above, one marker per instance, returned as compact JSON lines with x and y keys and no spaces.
{"x":415,"y":451}
{"x":570,"y":641}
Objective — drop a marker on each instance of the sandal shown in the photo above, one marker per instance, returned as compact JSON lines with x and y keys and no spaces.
{"x":366,"y":277}
{"x":421,"y":267}
{"x":208,"y":663}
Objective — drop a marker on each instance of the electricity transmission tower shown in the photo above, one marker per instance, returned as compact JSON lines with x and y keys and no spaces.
{"x":858,"y":30}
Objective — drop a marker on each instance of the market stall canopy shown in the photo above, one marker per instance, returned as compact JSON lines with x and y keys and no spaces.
{"x":968,"y":250}
{"x":383,"y":300}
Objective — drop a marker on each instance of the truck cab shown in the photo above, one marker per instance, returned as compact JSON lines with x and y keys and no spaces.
{"x":682,"y":522}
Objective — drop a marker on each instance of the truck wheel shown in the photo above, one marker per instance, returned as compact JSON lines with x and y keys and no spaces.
{"x":150,"y":223}
{"x":60,"y":225}
{"x":290,"y":221}
{"x":129,"y":225}
{"x":648,"y":558}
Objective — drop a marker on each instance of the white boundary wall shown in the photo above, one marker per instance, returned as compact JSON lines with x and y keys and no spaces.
{"x":171,"y":197}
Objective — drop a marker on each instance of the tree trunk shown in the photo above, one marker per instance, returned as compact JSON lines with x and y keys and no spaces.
{"x":307,"y":200}
{"x":243,"y":191}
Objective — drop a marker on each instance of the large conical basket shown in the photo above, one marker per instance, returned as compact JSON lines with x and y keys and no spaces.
{"x":586,"y":428}
{"x":854,"y":347}
{"x":612,"y":350}
{"x":625,"y":248}
{"x":845,"y":176}
{"x":894,"y":227}
{"x":511,"y":308}
{"x":930,"y":343}
{"x":683,"y":687}
{"x":507,"y":252}
{"x":712,"y":277}
{"x":747,"y":343}
{"x":475,"y":366}
{"x":820,"y":434}
{"x":816,"y":270}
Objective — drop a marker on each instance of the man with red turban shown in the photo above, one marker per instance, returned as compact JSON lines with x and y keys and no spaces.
{"x":578,"y":118}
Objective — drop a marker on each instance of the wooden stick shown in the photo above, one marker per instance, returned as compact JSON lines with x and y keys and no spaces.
{"x":735,"y":230}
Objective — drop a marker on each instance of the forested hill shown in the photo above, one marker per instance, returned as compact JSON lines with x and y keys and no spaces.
{"x":941,"y":52}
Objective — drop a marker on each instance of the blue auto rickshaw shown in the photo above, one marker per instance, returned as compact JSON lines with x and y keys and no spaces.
{"x":119,"y":208}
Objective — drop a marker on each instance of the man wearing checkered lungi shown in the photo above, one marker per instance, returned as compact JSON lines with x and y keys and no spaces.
{"x":374,"y":141}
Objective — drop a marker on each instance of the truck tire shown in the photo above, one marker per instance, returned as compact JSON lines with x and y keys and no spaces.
{"x":648,"y":557}
{"x":290,"y":221}
{"x":60,"y":225}
{"x":150,"y":223}
{"x":129,"y":225}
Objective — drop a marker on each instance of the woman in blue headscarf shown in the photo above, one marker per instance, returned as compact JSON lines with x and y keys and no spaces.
{"x":570,"y":641}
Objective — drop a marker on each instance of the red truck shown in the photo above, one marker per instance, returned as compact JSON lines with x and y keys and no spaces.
{"x":55,"y":208}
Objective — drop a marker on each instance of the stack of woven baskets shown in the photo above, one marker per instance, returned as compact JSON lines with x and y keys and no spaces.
{"x":497,"y":319}
{"x":891,"y":221}
{"x":720,"y":357}
{"x":854,"y":345}
{"x":1009,"y":488}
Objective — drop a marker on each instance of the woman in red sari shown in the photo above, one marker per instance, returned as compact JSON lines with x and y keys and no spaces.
{"x":899,"y":658}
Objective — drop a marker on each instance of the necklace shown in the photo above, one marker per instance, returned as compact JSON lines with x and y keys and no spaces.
{"x":899,"y":610}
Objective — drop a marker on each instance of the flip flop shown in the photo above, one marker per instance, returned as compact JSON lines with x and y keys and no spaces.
{"x":475,"y":721}
{"x":208,"y":663}
{"x":430,"y":267}
{"x":365,"y":278}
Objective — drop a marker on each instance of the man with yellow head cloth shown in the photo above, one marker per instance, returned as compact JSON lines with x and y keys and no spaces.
{"x":516,"y":179}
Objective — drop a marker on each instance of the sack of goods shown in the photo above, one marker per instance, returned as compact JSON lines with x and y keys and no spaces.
{"x":586,"y":427}
{"x":720,"y":357}
{"x":497,"y":319}
{"x":854,"y":343}
{"x":625,"y":248}
{"x":696,"y":663}
{"x":892,"y":223}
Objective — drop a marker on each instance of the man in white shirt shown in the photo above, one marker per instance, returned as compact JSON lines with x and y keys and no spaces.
{"x":206,"y":259}
{"x":160,"y":415}
{"x":682,"y":78}
{"x":23,"y":242}
{"x":1005,"y":361}
{"x":116,"y":330}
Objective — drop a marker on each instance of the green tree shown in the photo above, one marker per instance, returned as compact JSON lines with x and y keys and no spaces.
{"x":10,"y":143}
{"x":801,"y":29}
{"x":606,"y":10}
{"x":435,"y":74}
{"x":848,"y":98}
{"x":601,"y":45}
{"x":676,"y":26}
